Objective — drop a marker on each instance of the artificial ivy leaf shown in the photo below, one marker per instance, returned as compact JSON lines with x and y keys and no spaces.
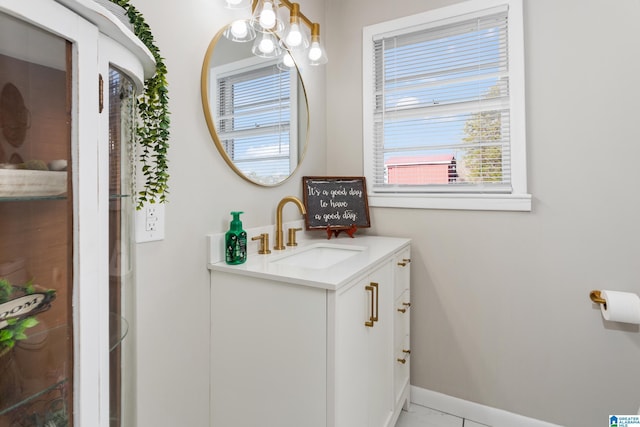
{"x":6,"y":334}
{"x":30,"y":322}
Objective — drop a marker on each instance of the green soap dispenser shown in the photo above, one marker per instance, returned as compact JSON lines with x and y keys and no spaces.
{"x":235,"y":241}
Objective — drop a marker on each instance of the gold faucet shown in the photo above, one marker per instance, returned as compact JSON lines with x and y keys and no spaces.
{"x":279,"y":234}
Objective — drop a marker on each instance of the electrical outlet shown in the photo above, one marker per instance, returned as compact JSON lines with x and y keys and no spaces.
{"x":150,"y":223}
{"x":151,"y":219}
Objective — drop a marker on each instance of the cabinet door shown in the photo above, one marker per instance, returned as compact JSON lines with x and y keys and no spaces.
{"x":37,"y":227}
{"x":268,"y":353}
{"x":364,"y":351}
{"x":381,"y":350}
{"x":353,"y":309}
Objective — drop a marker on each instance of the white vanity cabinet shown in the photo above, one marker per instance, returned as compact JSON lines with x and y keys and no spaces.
{"x":293,"y":348}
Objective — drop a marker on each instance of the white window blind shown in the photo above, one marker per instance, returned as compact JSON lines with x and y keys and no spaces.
{"x":441,"y":107}
{"x":253,"y":120}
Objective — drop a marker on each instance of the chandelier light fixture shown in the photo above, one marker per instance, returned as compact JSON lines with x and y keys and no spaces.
{"x":273,"y":37}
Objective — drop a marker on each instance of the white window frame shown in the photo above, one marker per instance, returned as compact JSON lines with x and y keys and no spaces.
{"x":518,"y":199}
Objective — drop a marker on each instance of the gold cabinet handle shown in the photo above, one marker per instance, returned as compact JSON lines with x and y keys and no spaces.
{"x":406,"y":305}
{"x":100,"y":93}
{"x":404,"y":360}
{"x":375,"y":286}
{"x":404,"y":262}
{"x":369,"y":323}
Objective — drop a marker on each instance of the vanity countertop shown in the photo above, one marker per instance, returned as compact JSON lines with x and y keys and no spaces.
{"x":360,"y":253}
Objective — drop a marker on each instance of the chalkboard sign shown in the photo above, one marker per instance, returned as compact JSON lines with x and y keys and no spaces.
{"x":336,"y":203}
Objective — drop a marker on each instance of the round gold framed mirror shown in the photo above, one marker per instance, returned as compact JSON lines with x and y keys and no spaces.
{"x":256,"y":110}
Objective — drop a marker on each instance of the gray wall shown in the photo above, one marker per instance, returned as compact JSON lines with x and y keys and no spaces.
{"x":501,"y":313}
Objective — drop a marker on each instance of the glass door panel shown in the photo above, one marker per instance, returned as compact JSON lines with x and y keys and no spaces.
{"x":121,"y":128}
{"x":36,"y":228}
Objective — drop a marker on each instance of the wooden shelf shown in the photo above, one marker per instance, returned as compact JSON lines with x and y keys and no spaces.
{"x":19,"y":184}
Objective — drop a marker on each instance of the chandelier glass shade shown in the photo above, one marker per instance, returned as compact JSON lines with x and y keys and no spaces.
{"x":240,"y":31}
{"x":287,"y":63}
{"x":316,"y":54}
{"x":294,"y":35}
{"x":265,"y":17}
{"x":266,"y":45}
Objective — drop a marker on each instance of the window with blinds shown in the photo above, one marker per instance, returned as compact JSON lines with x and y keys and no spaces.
{"x":253,"y":120}
{"x":440,"y":105}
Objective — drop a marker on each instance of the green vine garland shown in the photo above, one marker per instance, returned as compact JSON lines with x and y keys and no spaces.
{"x":152,"y":130}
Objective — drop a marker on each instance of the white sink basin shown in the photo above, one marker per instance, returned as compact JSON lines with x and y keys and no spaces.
{"x":319,"y":255}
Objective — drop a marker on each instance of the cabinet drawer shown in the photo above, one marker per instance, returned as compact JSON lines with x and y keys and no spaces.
{"x":401,"y":370}
{"x":401,"y":324}
{"x":402,"y":272}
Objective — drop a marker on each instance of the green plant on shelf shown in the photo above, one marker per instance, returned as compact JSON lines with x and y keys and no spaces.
{"x":14,"y":329}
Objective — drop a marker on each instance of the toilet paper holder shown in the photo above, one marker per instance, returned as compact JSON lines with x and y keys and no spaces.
{"x":596,"y":297}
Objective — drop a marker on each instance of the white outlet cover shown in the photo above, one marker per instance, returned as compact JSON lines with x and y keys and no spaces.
{"x":150,"y":223}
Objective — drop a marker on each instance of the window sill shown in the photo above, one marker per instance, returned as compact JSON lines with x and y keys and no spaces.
{"x":482,"y":202}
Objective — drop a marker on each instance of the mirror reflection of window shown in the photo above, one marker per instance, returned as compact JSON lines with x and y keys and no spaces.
{"x":256,"y":118}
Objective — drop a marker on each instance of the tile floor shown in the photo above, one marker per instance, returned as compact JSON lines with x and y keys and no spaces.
{"x":419,"y":416}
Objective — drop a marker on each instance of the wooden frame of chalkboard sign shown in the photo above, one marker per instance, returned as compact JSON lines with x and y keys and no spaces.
{"x":335,"y":203}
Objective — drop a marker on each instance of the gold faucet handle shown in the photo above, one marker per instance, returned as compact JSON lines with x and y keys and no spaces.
{"x":264,"y":243}
{"x":292,"y":237}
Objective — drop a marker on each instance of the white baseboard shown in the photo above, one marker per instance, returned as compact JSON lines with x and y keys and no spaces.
{"x":472,"y":411}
